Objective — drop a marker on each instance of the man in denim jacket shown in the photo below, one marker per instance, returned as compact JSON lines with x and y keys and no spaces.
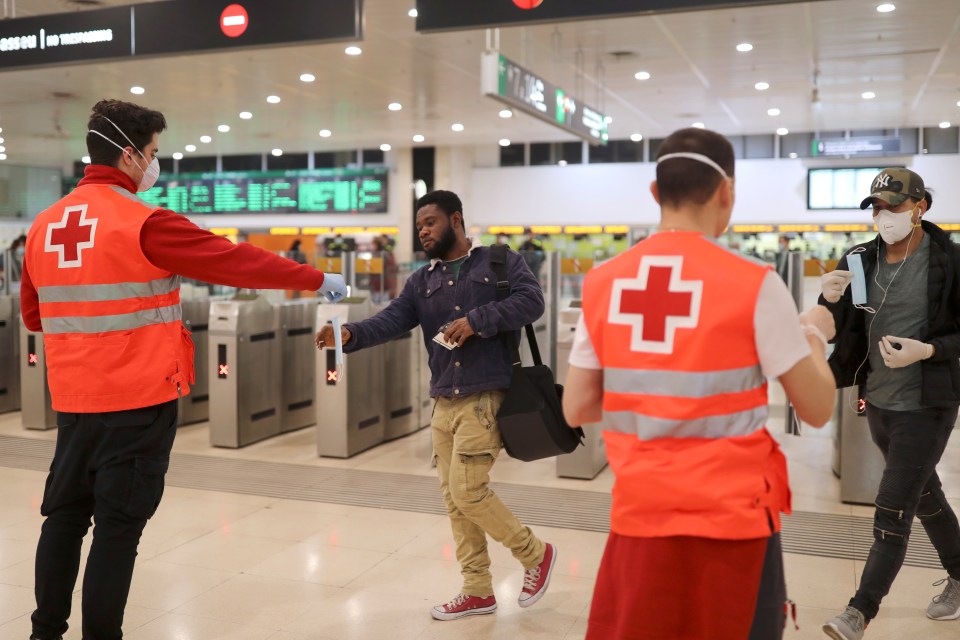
{"x":456,"y":295}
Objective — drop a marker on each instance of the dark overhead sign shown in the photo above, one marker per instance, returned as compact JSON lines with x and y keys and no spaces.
{"x":508,"y":82}
{"x":445,"y":15}
{"x":174,"y":27}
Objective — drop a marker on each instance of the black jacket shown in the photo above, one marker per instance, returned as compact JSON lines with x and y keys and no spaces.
{"x":941,"y":373}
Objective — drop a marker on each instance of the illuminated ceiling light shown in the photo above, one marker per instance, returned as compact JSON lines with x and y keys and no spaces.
{"x":886,"y":7}
{"x":504,"y":142}
{"x":353,"y":51}
{"x":190,"y":148}
{"x":944,"y":125}
{"x":744,"y":47}
{"x":604,"y":137}
{"x":85,"y":159}
{"x":138,"y":91}
{"x":506,"y":113}
{"x":1,"y":128}
{"x":782,"y":131}
{"x":636,"y":137}
{"x":245,"y":115}
{"x":413,"y":13}
{"x":642,"y":75}
{"x":773,"y":112}
{"x":457,"y":127}
{"x":307,"y":77}
{"x":325,"y":133}
{"x":3,"y":149}
{"x":418,"y":138}
{"x":698,"y":125}
{"x":178,"y":156}
{"x":395,"y":106}
{"x":273,"y":99}
{"x":793,"y":155}
{"x":562,"y":163}
{"x":608,"y":119}
{"x":385,"y":147}
{"x":3,"y":156}
{"x":2,"y":140}
{"x":277,"y":153}
{"x":206,"y":139}
{"x":762,"y":86}
{"x":868,"y":95}
{"x":224,"y":128}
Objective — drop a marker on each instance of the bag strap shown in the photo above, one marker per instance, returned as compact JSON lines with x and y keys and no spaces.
{"x":498,"y":262}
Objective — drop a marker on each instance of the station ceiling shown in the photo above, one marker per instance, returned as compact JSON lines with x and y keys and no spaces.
{"x":819,"y":60}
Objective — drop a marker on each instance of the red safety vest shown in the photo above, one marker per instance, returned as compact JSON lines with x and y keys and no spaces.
{"x":685,"y":401}
{"x":111,"y":320}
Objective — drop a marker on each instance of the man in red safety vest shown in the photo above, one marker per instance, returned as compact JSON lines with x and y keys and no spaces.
{"x":671,"y":357}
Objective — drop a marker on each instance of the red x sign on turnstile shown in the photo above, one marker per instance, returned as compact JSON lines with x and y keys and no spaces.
{"x":331,"y":376}
{"x":33,"y":359}
{"x":224,"y":370}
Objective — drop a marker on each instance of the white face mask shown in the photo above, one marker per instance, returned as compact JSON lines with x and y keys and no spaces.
{"x":150,"y":174}
{"x":894,"y":227}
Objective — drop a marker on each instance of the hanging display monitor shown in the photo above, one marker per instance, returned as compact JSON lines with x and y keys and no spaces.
{"x":341,"y":191}
{"x":508,"y":82}
{"x":839,"y":188}
{"x":448,"y":15}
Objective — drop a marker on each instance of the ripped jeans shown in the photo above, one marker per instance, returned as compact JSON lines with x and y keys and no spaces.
{"x":912,"y":443}
{"x":466,"y":442}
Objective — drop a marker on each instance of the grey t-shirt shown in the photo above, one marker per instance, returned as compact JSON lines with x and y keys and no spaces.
{"x":903,"y":314}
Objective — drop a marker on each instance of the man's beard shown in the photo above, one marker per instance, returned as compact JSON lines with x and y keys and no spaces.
{"x":442,"y":246}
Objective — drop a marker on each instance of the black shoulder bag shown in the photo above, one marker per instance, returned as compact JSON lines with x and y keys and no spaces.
{"x":531,"y":419}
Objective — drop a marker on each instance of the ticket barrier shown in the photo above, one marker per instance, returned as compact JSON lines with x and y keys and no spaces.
{"x":857,"y":460}
{"x":9,"y":353}
{"x":587,"y":461}
{"x":36,"y":406}
{"x":404,"y":385}
{"x":424,"y":375}
{"x":350,"y":404}
{"x":195,"y":407}
{"x":244,"y":367}
{"x":298,"y":387}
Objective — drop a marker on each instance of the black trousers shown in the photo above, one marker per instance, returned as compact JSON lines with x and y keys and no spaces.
{"x":912,"y":443}
{"x":109,"y":467}
{"x":770,"y":616}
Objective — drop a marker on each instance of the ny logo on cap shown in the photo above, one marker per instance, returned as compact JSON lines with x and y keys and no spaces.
{"x":883,"y":180}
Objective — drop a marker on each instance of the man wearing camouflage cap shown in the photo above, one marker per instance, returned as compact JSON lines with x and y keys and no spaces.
{"x":901,"y":346}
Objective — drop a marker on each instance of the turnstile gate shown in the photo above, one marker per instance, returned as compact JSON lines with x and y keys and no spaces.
{"x":298,"y":387}
{"x":195,"y":407}
{"x":9,"y":353}
{"x":36,"y":407}
{"x":426,"y":402}
{"x":244,"y":368}
{"x":349,"y":404}
{"x":587,"y":461}
{"x":402,"y":384}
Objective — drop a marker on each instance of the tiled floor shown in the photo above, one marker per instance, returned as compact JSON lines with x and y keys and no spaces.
{"x":222,"y":565}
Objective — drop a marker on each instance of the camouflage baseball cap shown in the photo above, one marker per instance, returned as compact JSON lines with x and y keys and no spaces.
{"x":895,"y":185}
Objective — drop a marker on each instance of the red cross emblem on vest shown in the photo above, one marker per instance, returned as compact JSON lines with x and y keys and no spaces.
{"x":656,"y":303}
{"x":69,"y":237}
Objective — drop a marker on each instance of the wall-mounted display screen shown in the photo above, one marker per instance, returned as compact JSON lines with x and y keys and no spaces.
{"x":307,"y":191}
{"x":843,"y":188}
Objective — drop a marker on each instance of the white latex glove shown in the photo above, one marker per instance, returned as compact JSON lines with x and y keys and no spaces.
{"x":334,"y":287}
{"x":833,"y":284}
{"x":910,"y":351}
{"x":820,"y":318}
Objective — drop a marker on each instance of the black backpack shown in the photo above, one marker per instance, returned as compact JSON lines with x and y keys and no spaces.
{"x":531,"y":419}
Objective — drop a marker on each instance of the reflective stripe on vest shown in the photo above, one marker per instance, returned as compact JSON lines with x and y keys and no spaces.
{"x":682,"y":384}
{"x":742,"y":423}
{"x":109,"y":292}
{"x":104,"y":324}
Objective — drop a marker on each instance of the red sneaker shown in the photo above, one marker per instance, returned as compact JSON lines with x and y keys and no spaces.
{"x":463,"y":605}
{"x":536,"y":580}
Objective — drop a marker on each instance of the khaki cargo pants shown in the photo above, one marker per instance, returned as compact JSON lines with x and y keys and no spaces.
{"x":466,"y":442}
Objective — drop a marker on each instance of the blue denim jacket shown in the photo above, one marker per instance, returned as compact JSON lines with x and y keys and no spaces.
{"x":432,"y":298}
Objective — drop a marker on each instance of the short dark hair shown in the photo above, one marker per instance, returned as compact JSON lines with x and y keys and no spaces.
{"x":928,"y":196}
{"x":139,"y":123}
{"x":446,"y":201}
{"x":683,"y":181}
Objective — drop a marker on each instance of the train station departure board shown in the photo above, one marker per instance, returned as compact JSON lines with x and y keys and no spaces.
{"x":308,"y":191}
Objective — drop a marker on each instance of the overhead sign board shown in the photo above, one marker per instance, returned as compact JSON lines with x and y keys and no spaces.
{"x":173,"y":27}
{"x":508,"y":82}
{"x":447,"y":15}
{"x":341,"y":191}
{"x":856,"y":147}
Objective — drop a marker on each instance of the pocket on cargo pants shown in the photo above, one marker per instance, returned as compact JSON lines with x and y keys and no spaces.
{"x":134,"y":487}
